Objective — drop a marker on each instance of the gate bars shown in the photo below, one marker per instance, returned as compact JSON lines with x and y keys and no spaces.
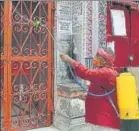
{"x":27,"y":61}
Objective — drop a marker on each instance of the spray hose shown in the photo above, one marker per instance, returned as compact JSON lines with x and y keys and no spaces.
{"x":84,"y":89}
{"x":95,"y":95}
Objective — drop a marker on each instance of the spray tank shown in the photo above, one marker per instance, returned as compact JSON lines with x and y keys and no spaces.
{"x":127,"y":96}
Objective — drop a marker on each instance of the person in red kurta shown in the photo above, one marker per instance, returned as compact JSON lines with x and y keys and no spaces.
{"x":99,"y":111}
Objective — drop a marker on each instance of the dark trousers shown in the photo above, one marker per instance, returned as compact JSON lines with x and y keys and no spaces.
{"x":129,"y":125}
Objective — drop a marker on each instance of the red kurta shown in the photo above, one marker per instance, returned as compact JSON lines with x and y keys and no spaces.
{"x":99,"y":111}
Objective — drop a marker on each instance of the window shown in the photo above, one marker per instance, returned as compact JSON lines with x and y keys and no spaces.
{"x":118,"y":22}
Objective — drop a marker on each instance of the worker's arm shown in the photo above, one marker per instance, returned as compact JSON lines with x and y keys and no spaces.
{"x":65,"y":58}
{"x":82,"y":71}
{"x":88,"y":74}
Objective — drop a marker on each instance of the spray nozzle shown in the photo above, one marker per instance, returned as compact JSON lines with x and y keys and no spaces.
{"x":37,"y":24}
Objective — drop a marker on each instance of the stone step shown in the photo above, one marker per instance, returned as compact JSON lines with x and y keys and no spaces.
{"x":52,"y":128}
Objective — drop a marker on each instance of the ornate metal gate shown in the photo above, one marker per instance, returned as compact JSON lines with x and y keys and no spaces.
{"x":26,"y":64}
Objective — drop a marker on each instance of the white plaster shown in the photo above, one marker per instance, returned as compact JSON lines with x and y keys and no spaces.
{"x":45,"y":129}
{"x":79,"y":102}
{"x":95,"y":24}
{"x":118,"y":22}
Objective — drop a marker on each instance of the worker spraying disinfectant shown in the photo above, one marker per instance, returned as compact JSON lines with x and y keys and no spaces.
{"x":100,"y":112}
{"x":104,"y":111}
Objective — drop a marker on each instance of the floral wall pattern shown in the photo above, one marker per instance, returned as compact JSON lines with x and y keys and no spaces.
{"x":102,"y":22}
{"x":88,"y":28}
{"x":78,"y":29}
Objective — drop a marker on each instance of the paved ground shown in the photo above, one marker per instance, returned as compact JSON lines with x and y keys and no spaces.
{"x":45,"y":129}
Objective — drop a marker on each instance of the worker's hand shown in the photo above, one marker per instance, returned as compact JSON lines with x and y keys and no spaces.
{"x":65,"y":58}
{"x":83,"y":96}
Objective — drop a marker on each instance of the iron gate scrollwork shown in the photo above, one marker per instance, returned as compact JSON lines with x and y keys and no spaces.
{"x":1,"y":62}
{"x":29,"y":64}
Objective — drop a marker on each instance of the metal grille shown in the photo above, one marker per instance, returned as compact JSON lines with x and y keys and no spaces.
{"x":28,"y":60}
{"x":1,"y":92}
{"x":89,"y":62}
{"x":1,"y":62}
{"x":27,"y":39}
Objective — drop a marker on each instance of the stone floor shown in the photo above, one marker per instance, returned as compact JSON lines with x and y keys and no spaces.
{"x":45,"y":129}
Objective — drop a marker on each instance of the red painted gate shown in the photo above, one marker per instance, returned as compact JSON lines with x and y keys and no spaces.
{"x":126,"y":46}
{"x":26,"y":64}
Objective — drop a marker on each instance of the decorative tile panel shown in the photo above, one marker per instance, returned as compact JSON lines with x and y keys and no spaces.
{"x":66,"y":124}
{"x":102,"y":22}
{"x":70,"y":107}
{"x":78,"y":21}
{"x":88,"y":28}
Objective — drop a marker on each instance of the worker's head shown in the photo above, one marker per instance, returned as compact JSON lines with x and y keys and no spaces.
{"x":104,"y":57}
